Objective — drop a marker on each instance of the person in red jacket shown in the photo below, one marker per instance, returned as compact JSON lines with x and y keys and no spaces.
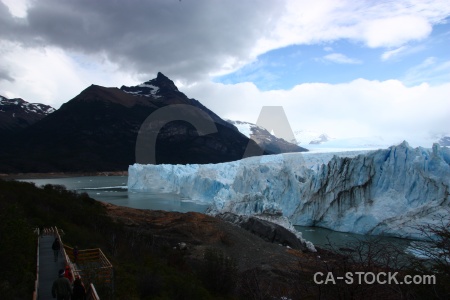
{"x":68,"y":274}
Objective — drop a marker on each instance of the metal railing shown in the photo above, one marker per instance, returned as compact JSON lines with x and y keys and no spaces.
{"x":91,"y":293}
{"x":91,"y":263}
{"x":86,"y":255}
{"x":36,"y":282}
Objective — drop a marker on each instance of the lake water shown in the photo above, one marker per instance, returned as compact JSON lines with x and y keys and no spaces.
{"x":113,"y":189}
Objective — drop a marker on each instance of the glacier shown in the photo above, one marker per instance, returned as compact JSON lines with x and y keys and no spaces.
{"x":381,"y":192}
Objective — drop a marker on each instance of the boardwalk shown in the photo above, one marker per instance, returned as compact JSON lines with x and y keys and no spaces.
{"x":92,"y":265}
{"x":48,"y":268}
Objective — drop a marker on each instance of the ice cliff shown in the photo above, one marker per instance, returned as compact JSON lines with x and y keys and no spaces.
{"x":388,"y":191}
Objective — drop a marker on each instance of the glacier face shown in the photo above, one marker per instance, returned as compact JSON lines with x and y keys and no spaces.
{"x":388,"y":191}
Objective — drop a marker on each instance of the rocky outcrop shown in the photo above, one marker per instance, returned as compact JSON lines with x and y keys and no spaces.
{"x":195,"y":232}
{"x":266,"y":230}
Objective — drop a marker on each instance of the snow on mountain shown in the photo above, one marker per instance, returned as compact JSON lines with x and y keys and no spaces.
{"x":145,"y":89}
{"x":17,"y":114}
{"x":320,"y":139}
{"x":387,"y":191}
{"x":245,"y":128}
{"x":14,"y":104}
{"x":266,"y":140}
{"x":307,"y":137}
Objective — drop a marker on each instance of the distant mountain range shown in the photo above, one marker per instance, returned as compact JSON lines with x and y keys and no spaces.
{"x":17,"y":114}
{"x":445,"y":141}
{"x":322,"y":142}
{"x":265,"y":139}
{"x":97,"y":131}
{"x":307,"y":137}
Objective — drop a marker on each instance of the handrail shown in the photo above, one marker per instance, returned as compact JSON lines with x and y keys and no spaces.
{"x":93,"y":293}
{"x":36,"y":282}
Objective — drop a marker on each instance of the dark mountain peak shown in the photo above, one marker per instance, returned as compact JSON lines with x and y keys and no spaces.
{"x":153,"y":88}
{"x":164,"y":82}
{"x":161,"y":75}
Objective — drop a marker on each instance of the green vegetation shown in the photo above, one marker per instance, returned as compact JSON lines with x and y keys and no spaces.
{"x":17,"y":253}
{"x":142,"y":271}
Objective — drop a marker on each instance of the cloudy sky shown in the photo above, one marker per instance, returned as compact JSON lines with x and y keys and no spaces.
{"x":345,"y":68}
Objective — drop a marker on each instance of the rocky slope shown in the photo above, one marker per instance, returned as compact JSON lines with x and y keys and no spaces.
{"x":193,"y":233}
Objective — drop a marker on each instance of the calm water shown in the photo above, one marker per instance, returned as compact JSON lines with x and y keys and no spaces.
{"x":322,"y":237}
{"x":113,"y":189}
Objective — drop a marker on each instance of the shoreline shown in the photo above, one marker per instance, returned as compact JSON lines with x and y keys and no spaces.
{"x":61,"y":175}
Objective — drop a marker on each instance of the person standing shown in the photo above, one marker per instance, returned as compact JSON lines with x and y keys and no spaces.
{"x":75,"y":254}
{"x":68,"y":274}
{"x":79,"y":291}
{"x":56,"y":246}
{"x":61,"y":289}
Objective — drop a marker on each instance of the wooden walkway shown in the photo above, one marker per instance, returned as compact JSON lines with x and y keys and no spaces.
{"x":48,"y":268}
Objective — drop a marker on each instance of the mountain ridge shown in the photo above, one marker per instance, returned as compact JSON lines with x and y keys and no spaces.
{"x":97,"y":131}
{"x":17,"y":114}
{"x":265,"y":139}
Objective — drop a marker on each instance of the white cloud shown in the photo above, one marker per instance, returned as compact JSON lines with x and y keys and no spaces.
{"x":359,"y":108}
{"x":18,"y":8}
{"x":375,"y":23}
{"x":429,"y":70}
{"x":395,"y":31}
{"x":51,"y":76}
{"x":393,"y":53}
{"x":341,"y":59}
